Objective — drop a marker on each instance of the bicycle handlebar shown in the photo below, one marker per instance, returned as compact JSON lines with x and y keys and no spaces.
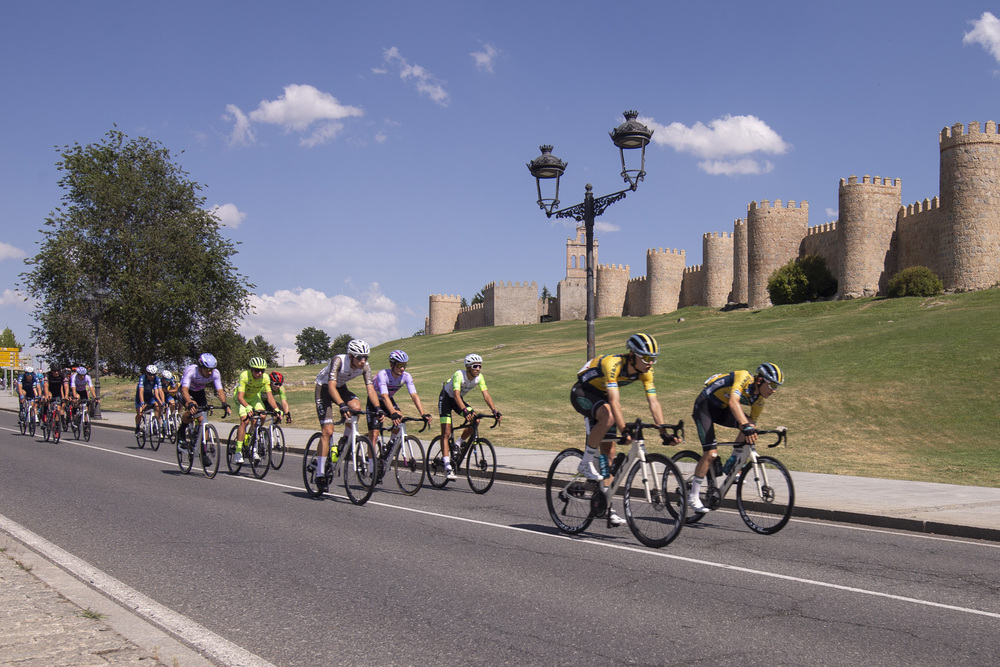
{"x":781,"y":432}
{"x":677,"y":430}
{"x":478,"y":417}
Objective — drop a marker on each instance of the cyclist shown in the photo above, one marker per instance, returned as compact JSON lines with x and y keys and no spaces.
{"x":720,"y":402}
{"x":596,"y":396}
{"x":194,"y":381}
{"x":387,"y":383}
{"x":55,"y":390}
{"x":26,"y":383}
{"x":278,"y":390}
{"x":252,"y":383}
{"x":147,"y":392}
{"x":331,"y":388}
{"x":452,"y":399}
{"x":81,"y":387}
{"x":168,"y":383}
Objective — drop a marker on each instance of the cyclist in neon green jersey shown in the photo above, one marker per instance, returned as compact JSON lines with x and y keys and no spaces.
{"x":251,"y":385}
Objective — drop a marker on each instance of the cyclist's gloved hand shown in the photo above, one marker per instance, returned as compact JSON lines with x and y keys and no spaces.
{"x":426,"y":417}
{"x":497,"y":415}
{"x":626,"y":435}
{"x":345,"y":409}
{"x":226,"y":410}
{"x":288,"y":417}
{"x":749,"y":429}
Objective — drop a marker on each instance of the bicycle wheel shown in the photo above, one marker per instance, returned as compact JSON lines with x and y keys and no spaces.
{"x":211,"y":452}
{"x":23,"y":422}
{"x":360,"y":467}
{"x":161,"y":427}
{"x":76,"y":428}
{"x":481,"y":465}
{"x":56,"y":431}
{"x":434,"y":464}
{"x":86,"y":430}
{"x":231,"y":445}
{"x":32,"y":423}
{"x":408,"y":465}
{"x":568,"y":493}
{"x":170,"y":424}
{"x":277,"y":447}
{"x":709,"y":494}
{"x":140,"y":437}
{"x":765,"y":495}
{"x":309,"y":468}
{"x":45,"y":428}
{"x":260,"y":453}
{"x":184,"y":458}
{"x":655,"y":501}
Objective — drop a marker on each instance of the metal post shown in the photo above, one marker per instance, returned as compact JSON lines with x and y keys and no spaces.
{"x":96,"y":414}
{"x":588,"y":223}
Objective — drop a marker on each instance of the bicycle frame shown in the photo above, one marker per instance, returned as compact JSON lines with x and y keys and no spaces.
{"x":637,"y":452}
{"x":746,"y":453}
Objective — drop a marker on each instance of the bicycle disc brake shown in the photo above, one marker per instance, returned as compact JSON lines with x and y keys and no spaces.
{"x":598,"y":503}
{"x":712,"y":497}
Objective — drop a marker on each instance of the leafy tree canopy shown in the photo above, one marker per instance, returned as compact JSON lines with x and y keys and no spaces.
{"x":339,"y":344}
{"x":804,"y":279}
{"x":132,"y":224}
{"x":258,"y":347}
{"x":313,"y":345}
{"x":7,"y":339}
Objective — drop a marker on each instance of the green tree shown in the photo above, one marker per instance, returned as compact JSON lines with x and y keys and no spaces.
{"x":914,"y":281}
{"x":258,"y":347}
{"x":132,"y":223}
{"x":546,"y":294}
{"x":479,"y":298}
{"x":313,"y":345}
{"x":339,"y":344}
{"x":7,"y":339}
{"x":803,"y":279}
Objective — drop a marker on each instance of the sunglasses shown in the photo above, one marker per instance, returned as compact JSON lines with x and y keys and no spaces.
{"x":476,"y":367}
{"x":773,"y":385}
{"x":256,"y":370}
{"x":362,"y":357}
{"x":648,"y":359}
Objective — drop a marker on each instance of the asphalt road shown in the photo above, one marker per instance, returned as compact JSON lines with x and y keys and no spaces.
{"x":448,"y":577}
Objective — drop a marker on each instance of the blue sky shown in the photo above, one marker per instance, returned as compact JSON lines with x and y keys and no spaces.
{"x":367,"y":155}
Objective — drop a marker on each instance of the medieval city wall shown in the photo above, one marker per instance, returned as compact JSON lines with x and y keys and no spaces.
{"x":774,"y":233}
{"x":471,"y":317}
{"x":665,"y":271}
{"x":867,"y":222}
{"x":612,"y":284}
{"x":917,"y":242}
{"x":636,"y":297}
{"x":692,"y":287}
{"x":717,"y":269}
{"x":740,"y":258}
{"x":571,"y":297}
{"x":510,"y":303}
{"x":823,"y":240}
{"x":443,"y":313}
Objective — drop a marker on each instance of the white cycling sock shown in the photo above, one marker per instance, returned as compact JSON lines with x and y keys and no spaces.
{"x":696,"y":483}
{"x":588,"y":454}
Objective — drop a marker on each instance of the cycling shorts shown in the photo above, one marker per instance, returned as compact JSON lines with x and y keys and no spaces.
{"x":447,"y":405}
{"x":587,"y":401}
{"x":147,"y":397}
{"x":324,"y":402}
{"x":373,"y":422}
{"x":258,"y":406}
{"x":706,"y":416}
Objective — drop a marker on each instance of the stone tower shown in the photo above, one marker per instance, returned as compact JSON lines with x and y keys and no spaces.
{"x":664,"y":272}
{"x":740,"y":260}
{"x":571,"y":292}
{"x":612,"y":285}
{"x":970,"y":196}
{"x":773,"y":237}
{"x":717,"y":269}
{"x":443,"y":312}
{"x":867,"y":221}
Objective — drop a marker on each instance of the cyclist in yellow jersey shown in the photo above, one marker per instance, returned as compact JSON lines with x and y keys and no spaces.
{"x":452,"y":399}
{"x":251,"y":385}
{"x":596,"y":396}
{"x":720,"y":402}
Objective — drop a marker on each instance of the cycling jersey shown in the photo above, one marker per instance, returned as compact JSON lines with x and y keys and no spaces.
{"x":720,"y":387}
{"x":387,"y":383}
{"x":171,"y":388}
{"x":145,"y":388}
{"x":603,"y":373}
{"x":27,"y":381}
{"x":54,"y":380}
{"x":195,"y":381}
{"x":80,"y":382}
{"x":253,"y":388}
{"x":342,"y":371}
{"x":463,"y":382}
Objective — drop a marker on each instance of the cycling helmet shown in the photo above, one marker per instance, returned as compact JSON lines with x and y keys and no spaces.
{"x":358,"y":348}
{"x":151,"y":369}
{"x":771,"y":373}
{"x":473,"y":359}
{"x":258,"y":364}
{"x":82,"y":370}
{"x":207,"y":361}
{"x":398,"y":357}
{"x":277,"y":379}
{"x":166,"y":375}
{"x":644,"y":345}
{"x":29,"y":369}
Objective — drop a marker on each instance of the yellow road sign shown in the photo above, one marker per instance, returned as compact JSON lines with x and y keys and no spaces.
{"x":10,"y":357}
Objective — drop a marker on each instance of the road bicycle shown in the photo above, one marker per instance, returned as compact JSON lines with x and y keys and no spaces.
{"x":405,"y":454}
{"x":651,"y":485}
{"x":476,"y":453}
{"x":255,"y":449}
{"x":80,"y":423}
{"x":28,"y":421}
{"x":278,"y":446}
{"x":765,"y":495}
{"x":171,"y":422}
{"x":356,"y":461}
{"x":50,"y":420}
{"x":150,"y":430}
{"x":203,"y":438}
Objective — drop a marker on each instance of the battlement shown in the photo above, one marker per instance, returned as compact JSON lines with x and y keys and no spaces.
{"x":473,"y":307}
{"x":493,"y":286}
{"x":958,"y":134}
{"x":739,"y":222}
{"x":822,"y":229}
{"x":612,"y":267}
{"x":921,"y":207}
{"x":692,"y":269}
{"x":718,"y":235}
{"x":446,"y":297}
{"x":878,"y":181}
{"x":766,"y":204}
{"x":662,"y":251}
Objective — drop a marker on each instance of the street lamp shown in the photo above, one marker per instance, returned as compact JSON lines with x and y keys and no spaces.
{"x":628,"y":136}
{"x":95,"y":308}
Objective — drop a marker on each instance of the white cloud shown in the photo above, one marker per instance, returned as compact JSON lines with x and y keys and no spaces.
{"x":986,"y":33}
{"x":606,"y":227}
{"x":7,"y":251}
{"x":426,"y":83}
{"x":832,"y":213}
{"x":281,"y":316}
{"x":16,"y":298}
{"x":301,"y":109}
{"x":484,"y":59}
{"x":228,"y":215}
{"x":724,"y":145}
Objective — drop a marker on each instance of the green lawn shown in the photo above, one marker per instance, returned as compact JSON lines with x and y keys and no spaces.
{"x":876,"y":387}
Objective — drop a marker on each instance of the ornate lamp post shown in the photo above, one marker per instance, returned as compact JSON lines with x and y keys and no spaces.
{"x":95,"y":308}
{"x":628,"y":136}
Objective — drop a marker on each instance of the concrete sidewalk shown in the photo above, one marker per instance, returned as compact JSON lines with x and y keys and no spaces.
{"x":38,"y":628}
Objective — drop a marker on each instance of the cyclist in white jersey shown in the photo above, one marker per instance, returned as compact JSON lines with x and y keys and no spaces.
{"x":387,"y":382}
{"x":331,"y":389}
{"x":194,"y":381}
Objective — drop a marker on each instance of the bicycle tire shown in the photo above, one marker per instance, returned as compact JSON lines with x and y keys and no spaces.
{"x":434,"y":464}
{"x":156,"y":439}
{"x":211,"y":452}
{"x":184,"y":459}
{"x":260,"y":453}
{"x":408,"y":465}
{"x":45,"y":429}
{"x":277,"y":448}
{"x":709,"y":494}
{"x":23,"y":422}
{"x":767,"y":509}
{"x":360,"y":470}
{"x":655,"y":521}
{"x":171,"y":426}
{"x":56,"y":432}
{"x":568,"y":493}
{"x":234,"y":468}
{"x":85,"y":426}
{"x":481,"y":465}
{"x":32,"y":425}
{"x":140,"y":437}
{"x":75,"y":425}
{"x":309,"y":468}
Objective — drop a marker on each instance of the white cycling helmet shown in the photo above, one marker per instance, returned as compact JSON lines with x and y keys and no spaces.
{"x":151,"y":369}
{"x":167,"y":375}
{"x":29,"y":369}
{"x":473,"y":359}
{"x":358,"y":348}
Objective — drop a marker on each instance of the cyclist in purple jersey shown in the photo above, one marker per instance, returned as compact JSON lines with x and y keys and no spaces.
{"x":387,"y":382}
{"x":195,"y":380}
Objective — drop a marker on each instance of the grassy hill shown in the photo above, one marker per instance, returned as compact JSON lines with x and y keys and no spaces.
{"x":892,"y":388}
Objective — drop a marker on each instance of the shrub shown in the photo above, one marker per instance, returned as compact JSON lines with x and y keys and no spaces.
{"x":805,"y":279}
{"x":915,"y":281}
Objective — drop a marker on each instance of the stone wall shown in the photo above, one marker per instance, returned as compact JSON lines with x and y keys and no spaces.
{"x":867,"y":221}
{"x":774,"y":233}
{"x":665,"y":271}
{"x":717,"y":269}
{"x":612,"y":284}
{"x":823,"y":240}
{"x":692,"y":287}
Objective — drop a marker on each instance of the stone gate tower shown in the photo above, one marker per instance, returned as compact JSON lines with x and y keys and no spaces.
{"x":773,"y":237}
{"x":867,"y":221}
